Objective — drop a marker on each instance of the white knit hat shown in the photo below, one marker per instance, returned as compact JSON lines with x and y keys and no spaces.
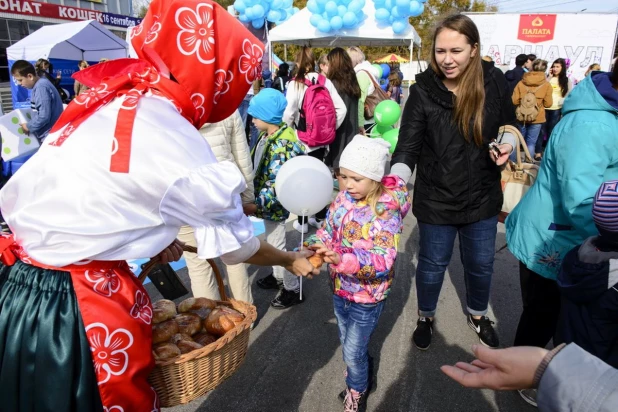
{"x":367,"y":157}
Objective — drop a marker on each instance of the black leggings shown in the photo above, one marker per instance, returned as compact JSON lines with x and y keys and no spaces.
{"x":321,"y":215}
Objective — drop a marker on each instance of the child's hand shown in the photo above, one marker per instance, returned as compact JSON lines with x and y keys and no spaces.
{"x":24,"y":126}
{"x":328,"y":255}
{"x":249,"y":209}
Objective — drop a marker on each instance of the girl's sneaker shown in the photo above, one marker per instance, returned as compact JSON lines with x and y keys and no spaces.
{"x":355,"y":401}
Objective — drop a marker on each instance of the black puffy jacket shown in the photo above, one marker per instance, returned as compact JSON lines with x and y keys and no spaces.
{"x":456,"y":181}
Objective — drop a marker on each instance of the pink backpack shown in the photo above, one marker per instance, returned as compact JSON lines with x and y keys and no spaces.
{"x":317,"y":122}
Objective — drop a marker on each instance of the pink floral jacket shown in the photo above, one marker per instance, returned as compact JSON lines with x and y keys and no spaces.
{"x":367,"y":243}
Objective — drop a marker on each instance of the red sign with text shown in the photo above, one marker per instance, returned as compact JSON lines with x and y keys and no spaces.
{"x":535,"y":28}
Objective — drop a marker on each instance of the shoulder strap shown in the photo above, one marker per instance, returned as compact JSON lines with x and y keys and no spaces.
{"x":371,"y":78}
{"x":321,"y":80}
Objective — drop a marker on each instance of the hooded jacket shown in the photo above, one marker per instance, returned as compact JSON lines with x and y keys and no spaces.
{"x":555,"y":215}
{"x":513,"y":77}
{"x":456,"y":181}
{"x":588,"y":284}
{"x":537,"y":83}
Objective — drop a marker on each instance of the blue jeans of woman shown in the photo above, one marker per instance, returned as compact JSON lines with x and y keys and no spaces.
{"x":531,"y":133}
{"x":477,"y":243}
{"x":356,"y":323}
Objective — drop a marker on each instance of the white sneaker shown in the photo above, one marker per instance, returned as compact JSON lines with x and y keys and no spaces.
{"x":315,"y":222}
{"x":304,"y":228}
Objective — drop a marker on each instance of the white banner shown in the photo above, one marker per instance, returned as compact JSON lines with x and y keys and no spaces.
{"x":581,"y":39}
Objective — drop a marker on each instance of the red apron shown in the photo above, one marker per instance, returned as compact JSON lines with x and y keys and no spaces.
{"x":117,"y":314}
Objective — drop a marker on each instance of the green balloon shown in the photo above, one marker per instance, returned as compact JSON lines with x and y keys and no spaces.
{"x":392,"y":136}
{"x":379,"y":69}
{"x":382,"y":129}
{"x":387,"y":113}
{"x":375,"y":133}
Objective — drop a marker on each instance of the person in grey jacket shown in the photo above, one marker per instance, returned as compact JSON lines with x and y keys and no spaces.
{"x":45,"y":100}
{"x":568,"y":378}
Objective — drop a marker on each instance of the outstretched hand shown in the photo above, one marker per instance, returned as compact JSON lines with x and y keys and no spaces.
{"x":172,"y":253}
{"x":300,"y":266}
{"x":505,"y":152}
{"x":498,"y":369}
{"x":327,"y":255}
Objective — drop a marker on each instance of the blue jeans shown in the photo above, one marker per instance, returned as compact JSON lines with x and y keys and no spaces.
{"x":477,"y":244}
{"x":531,"y":134}
{"x":356,"y":323}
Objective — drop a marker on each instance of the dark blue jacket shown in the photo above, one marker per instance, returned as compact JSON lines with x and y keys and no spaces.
{"x":513,"y":77}
{"x":588,"y":283}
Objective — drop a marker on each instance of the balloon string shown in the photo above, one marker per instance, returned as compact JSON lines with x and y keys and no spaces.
{"x":302,"y":241}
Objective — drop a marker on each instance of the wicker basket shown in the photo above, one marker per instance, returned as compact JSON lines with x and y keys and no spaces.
{"x":189,"y":376}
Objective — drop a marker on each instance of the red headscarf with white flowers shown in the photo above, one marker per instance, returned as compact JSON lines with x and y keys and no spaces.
{"x":192,"y":52}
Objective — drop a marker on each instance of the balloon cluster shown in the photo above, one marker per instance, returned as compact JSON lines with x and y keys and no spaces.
{"x":259,"y":11}
{"x":332,"y":15}
{"x":397,"y":12}
{"x":386,"y":114}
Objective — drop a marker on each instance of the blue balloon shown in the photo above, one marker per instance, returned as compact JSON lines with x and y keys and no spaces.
{"x":388,"y":4}
{"x":278,"y":4}
{"x":395,"y":14}
{"x":379,"y":3}
{"x":420,"y":10}
{"x":360,"y":17}
{"x":258,"y":13}
{"x":403,"y":4}
{"x":336,"y":23}
{"x":384,"y":86}
{"x":313,"y":7}
{"x":249,"y":13}
{"x":295,"y":10}
{"x":341,"y":10}
{"x":386,"y":70}
{"x":243,"y":18}
{"x":315,"y":19}
{"x":240,"y":6}
{"x":284,"y":15}
{"x":273,"y":16}
{"x":400,"y":26}
{"x":331,"y":9}
{"x":322,"y":4}
{"x":324,"y":26}
{"x":416,"y":8}
{"x":382,"y":15}
{"x":287,"y":4}
{"x":355,"y":6}
{"x":349,"y":20}
{"x":258,"y":23}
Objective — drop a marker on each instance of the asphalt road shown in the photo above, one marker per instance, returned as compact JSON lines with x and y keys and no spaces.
{"x":294,"y":362}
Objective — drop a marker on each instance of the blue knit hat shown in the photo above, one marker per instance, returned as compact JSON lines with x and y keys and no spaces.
{"x":268,"y":106}
{"x":605,"y":210}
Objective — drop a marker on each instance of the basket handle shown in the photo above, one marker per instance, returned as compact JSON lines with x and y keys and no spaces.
{"x":191,"y":249}
{"x":522,"y":142}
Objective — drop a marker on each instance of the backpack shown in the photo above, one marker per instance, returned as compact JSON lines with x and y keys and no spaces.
{"x":280,"y":84}
{"x":317,"y":122}
{"x":528,"y":108}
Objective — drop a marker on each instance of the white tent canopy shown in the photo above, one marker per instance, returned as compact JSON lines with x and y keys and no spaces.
{"x":297,"y":30}
{"x":83,"y":40}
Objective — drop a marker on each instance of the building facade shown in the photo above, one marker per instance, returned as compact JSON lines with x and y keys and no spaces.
{"x":19,"y":18}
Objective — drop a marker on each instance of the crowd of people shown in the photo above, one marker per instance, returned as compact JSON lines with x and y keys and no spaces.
{"x":104,"y":203}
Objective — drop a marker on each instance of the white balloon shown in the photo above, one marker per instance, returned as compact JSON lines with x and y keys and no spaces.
{"x":304,"y":185}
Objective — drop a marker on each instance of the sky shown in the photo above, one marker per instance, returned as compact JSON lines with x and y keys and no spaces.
{"x":556,"y":6}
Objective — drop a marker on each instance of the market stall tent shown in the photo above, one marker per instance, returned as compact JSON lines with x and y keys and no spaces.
{"x":297,"y":30}
{"x":64,"y":45}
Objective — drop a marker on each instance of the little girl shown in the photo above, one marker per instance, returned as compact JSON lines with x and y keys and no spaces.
{"x":359,"y":240}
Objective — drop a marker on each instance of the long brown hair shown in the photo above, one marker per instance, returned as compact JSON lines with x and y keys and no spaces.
{"x":470,"y":100}
{"x":341,"y":73}
{"x":305,"y":63}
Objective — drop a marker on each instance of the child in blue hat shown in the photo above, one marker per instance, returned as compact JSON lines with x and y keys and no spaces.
{"x":276,"y":145}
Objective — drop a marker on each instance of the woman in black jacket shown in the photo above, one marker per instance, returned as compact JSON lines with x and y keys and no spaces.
{"x":452,"y":114}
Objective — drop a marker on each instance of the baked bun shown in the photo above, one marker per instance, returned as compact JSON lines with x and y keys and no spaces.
{"x":162,"y":332}
{"x":316,"y":261}
{"x":165,"y":351}
{"x":185,"y":343}
{"x":204,"y":338}
{"x":200,"y":306}
{"x":188,"y":323}
{"x":221,"y":320}
{"x":163,"y":310}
